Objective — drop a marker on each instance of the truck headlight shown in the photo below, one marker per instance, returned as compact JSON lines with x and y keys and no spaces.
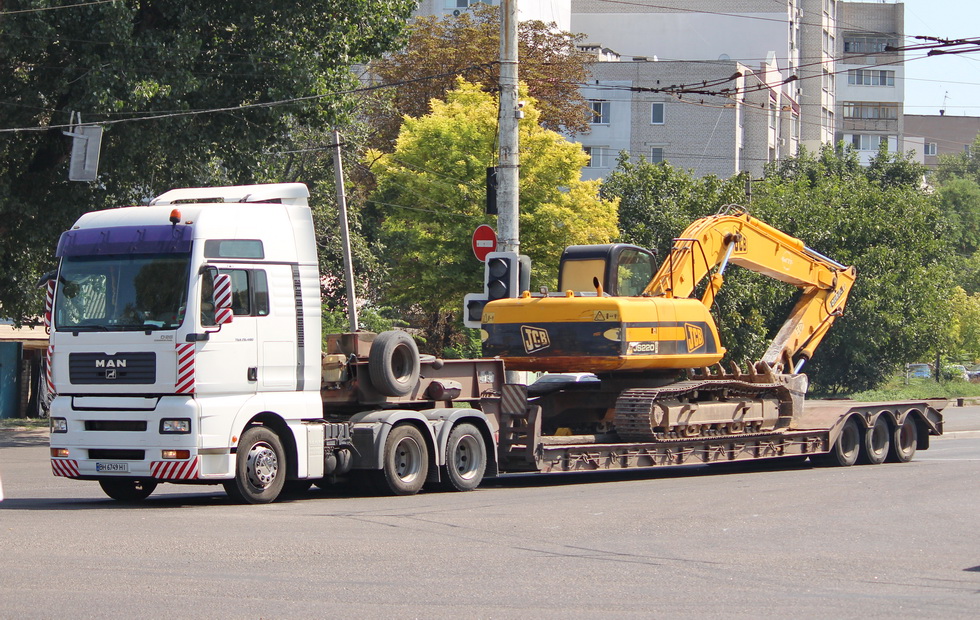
{"x":178,"y":426}
{"x":59,"y":425}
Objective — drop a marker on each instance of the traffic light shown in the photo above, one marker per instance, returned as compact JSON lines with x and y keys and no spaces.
{"x":473,"y":304}
{"x":505,"y":275}
{"x":502,"y":275}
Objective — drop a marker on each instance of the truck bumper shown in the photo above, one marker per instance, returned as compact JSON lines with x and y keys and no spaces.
{"x":124,"y":437}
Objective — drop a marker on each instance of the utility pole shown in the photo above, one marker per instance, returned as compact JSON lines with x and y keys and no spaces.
{"x":508,"y":226}
{"x":338,"y":170}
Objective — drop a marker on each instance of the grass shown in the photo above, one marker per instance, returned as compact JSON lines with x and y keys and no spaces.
{"x":918,"y":389}
{"x":22,"y":423}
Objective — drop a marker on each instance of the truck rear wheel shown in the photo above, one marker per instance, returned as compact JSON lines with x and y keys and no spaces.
{"x":877,"y":439}
{"x":845,"y":450}
{"x":128,"y":489}
{"x":406,"y":462}
{"x":466,"y":458}
{"x":393,"y":363}
{"x":260,"y":468}
{"x":905,"y":437}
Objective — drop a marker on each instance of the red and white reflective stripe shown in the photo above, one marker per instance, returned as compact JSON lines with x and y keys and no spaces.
{"x":48,"y":376}
{"x":176,"y":470}
{"x":48,"y":303}
{"x":185,"y":368}
{"x":222,"y":299}
{"x":67,"y":468}
{"x":222,"y":292}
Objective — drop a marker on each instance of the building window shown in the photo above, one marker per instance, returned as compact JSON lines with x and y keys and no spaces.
{"x":865,"y":142}
{"x":870,"y":77}
{"x":597,"y":156}
{"x":931,"y":149}
{"x":870,"y":110}
{"x":656,"y":154}
{"x":858,"y":44}
{"x":657,"y":113}
{"x":599,"y":112}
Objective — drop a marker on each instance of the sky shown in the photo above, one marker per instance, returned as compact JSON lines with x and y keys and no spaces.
{"x":952,"y":81}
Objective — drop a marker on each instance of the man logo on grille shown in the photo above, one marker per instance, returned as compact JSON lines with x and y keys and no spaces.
{"x":110,"y":373}
{"x":534,"y":338}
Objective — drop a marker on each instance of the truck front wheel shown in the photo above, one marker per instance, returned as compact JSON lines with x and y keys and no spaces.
{"x":127,"y":489}
{"x":406,"y":462}
{"x":260,"y":468}
{"x":466,"y":458}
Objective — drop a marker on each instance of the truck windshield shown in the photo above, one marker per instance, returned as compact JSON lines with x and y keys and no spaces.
{"x":122,"y":292}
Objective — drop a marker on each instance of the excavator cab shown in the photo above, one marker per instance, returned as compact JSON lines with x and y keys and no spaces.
{"x":620,"y":269}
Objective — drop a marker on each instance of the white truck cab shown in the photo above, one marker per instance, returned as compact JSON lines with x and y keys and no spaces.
{"x":149,"y":385}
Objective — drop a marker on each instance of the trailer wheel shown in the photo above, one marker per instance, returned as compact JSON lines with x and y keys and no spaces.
{"x":260,"y":468}
{"x":128,"y":489}
{"x":876,"y":442}
{"x":466,"y":458}
{"x":905,"y":437}
{"x":845,"y":450}
{"x":406,"y":462}
{"x":393,"y":363}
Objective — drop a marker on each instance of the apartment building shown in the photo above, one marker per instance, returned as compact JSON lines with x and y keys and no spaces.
{"x":941,"y":134}
{"x":788,"y":48}
{"x":637,"y":108}
{"x":871,"y":77}
{"x":799,"y":35}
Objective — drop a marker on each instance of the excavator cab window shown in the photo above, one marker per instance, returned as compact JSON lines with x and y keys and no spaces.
{"x":634,"y":270}
{"x":621,"y":269}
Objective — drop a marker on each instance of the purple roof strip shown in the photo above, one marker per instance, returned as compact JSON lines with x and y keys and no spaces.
{"x":157,"y":239}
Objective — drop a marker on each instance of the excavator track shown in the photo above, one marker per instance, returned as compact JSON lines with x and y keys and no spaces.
{"x":640,"y":412}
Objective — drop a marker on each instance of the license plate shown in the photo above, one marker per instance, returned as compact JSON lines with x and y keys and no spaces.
{"x":112,"y":467}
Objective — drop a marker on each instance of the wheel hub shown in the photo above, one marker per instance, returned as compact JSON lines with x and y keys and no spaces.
{"x":263,"y":465}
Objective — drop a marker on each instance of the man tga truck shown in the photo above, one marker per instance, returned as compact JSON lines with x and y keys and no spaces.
{"x":186,"y":348}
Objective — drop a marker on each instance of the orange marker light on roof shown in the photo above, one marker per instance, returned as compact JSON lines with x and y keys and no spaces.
{"x":175,"y":216}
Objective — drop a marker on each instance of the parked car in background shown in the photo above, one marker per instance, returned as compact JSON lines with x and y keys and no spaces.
{"x":566,"y":377}
{"x":918,"y":371}
{"x":958,"y":371}
{"x":553,"y":382}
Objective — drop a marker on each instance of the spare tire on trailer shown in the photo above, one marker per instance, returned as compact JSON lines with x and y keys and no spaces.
{"x":393,"y":363}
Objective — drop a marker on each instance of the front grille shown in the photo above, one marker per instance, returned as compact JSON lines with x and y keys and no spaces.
{"x":135,"y":368}
{"x":117,"y":455}
{"x":115,"y":425}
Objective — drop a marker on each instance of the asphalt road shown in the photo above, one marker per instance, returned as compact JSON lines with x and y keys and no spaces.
{"x":867,"y":541}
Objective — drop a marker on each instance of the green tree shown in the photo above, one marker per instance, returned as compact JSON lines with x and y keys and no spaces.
{"x":469,"y":45}
{"x":964,"y":165}
{"x":431,"y":192}
{"x":657,"y":200}
{"x":879,"y":220}
{"x":167,"y":62}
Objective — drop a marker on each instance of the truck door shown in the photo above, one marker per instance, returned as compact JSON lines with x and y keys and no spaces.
{"x":228,"y":361}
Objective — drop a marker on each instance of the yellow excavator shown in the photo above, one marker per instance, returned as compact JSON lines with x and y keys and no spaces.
{"x":638,"y":328}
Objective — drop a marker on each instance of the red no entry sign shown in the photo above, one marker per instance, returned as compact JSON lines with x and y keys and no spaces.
{"x":484,"y":242}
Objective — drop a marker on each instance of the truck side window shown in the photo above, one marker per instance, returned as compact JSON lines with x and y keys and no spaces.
{"x":207,"y":299}
{"x":249,"y":292}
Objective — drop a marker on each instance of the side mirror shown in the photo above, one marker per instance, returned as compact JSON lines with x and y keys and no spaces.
{"x":222,"y":299}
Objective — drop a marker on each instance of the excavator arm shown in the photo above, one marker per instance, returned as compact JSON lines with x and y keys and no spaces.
{"x":735,"y":237}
